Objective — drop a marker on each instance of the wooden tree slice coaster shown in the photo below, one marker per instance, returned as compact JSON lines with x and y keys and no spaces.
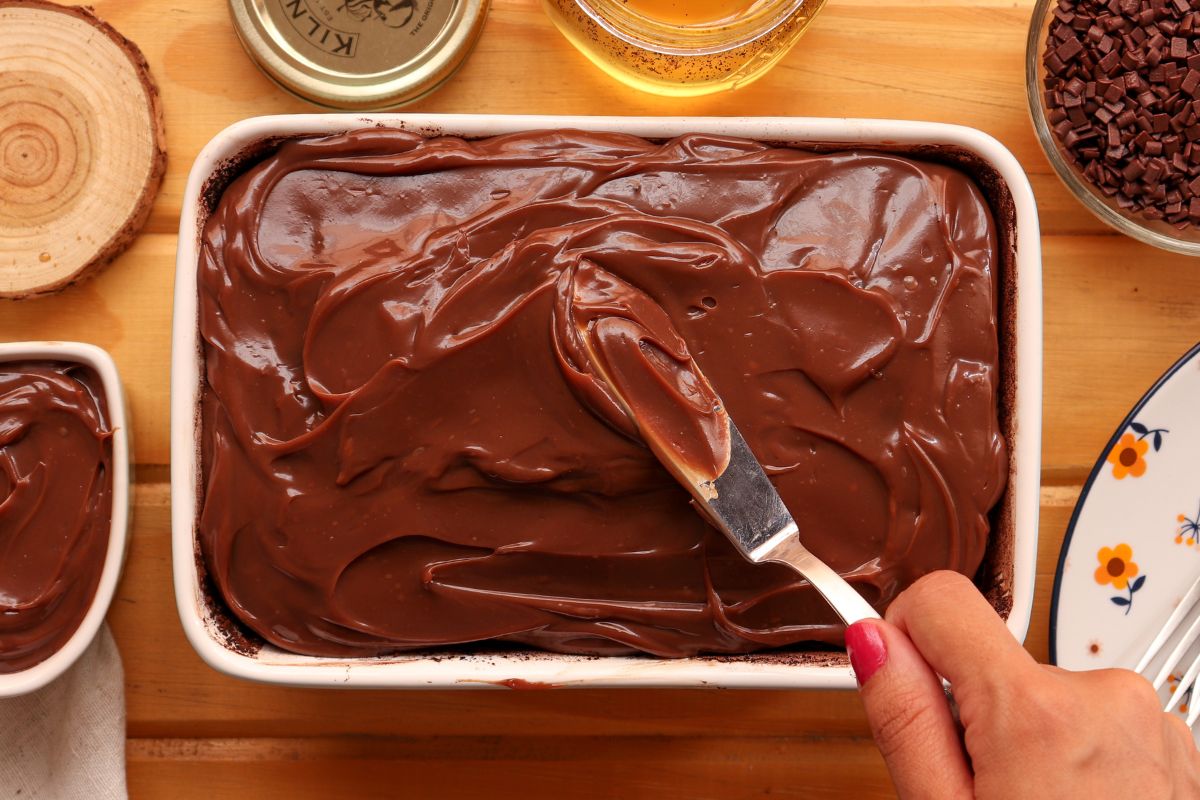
{"x":81,"y":145}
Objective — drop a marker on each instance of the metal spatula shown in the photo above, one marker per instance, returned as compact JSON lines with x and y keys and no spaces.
{"x":743,"y":504}
{"x":737,"y":497}
{"x":613,"y":331}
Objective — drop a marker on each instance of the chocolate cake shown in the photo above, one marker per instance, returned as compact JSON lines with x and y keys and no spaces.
{"x":403,"y":449}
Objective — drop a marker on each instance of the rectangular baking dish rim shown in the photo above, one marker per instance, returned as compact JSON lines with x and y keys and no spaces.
{"x":450,"y":669}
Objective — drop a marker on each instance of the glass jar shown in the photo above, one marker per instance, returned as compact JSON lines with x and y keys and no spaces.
{"x":683,"y":47}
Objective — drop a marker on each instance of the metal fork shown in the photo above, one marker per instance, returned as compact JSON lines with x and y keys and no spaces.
{"x":1186,"y":607}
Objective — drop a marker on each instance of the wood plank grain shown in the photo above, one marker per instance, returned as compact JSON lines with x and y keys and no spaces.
{"x":1117,"y":315}
{"x":171,"y":693}
{"x":508,"y":767}
{"x":126,"y":309}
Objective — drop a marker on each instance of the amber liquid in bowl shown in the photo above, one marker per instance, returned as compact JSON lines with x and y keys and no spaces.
{"x":691,"y":12}
{"x":683,"y":47}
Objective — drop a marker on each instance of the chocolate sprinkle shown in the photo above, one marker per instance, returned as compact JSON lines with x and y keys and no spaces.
{"x":1122,"y":95}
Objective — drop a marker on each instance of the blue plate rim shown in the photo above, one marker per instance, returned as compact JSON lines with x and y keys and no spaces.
{"x":1087,"y":487}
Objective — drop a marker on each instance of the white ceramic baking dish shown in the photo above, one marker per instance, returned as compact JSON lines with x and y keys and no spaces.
{"x":208,"y":629}
{"x":39,"y":675}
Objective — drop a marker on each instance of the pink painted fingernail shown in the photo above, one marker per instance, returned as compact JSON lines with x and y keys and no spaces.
{"x":867,"y":651}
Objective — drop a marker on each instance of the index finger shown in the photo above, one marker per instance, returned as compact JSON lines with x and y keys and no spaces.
{"x":959,"y":634}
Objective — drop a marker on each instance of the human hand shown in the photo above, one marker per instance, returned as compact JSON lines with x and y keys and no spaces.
{"x":1029,"y":730}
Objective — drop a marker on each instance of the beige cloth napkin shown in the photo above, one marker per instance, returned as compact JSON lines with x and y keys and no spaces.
{"x":67,"y":741}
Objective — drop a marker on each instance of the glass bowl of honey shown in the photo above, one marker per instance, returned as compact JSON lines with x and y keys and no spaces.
{"x":683,"y":47}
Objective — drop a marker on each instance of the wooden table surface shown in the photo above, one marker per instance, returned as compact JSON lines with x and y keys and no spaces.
{"x":1117,"y":314}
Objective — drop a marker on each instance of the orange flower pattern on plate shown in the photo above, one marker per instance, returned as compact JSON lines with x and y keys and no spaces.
{"x":1173,"y":684}
{"x":1118,"y":568}
{"x":1189,"y":530}
{"x":1128,"y":457}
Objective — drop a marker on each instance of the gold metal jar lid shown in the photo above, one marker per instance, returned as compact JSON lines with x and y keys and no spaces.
{"x":359,"y":54}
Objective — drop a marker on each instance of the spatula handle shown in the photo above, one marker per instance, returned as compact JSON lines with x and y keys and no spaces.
{"x":841,"y":596}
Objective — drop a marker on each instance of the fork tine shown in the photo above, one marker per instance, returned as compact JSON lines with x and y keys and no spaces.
{"x":1189,"y":638}
{"x":1187,"y":680}
{"x":1172,"y":623}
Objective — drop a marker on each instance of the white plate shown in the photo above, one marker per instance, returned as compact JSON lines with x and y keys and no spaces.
{"x":37,"y":676}
{"x":1131,"y":550}
{"x":1022,"y":345}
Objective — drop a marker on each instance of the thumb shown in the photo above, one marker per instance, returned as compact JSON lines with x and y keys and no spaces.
{"x":909,"y":716}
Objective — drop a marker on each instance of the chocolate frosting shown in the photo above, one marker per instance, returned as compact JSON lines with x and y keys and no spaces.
{"x":409,"y":434}
{"x":55,"y":505}
{"x":627,"y":362}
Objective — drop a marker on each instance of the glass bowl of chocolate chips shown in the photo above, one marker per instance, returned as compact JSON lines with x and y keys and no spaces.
{"x":1114,"y":92}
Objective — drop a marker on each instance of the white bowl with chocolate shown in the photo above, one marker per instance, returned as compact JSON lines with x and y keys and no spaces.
{"x":64,"y":505}
{"x":390,"y":468}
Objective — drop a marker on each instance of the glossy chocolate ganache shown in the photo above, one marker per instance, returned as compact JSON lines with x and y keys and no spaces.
{"x":408,"y":436}
{"x":55,"y":505}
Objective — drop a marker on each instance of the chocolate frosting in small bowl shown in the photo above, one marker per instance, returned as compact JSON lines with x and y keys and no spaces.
{"x":56,"y":504}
